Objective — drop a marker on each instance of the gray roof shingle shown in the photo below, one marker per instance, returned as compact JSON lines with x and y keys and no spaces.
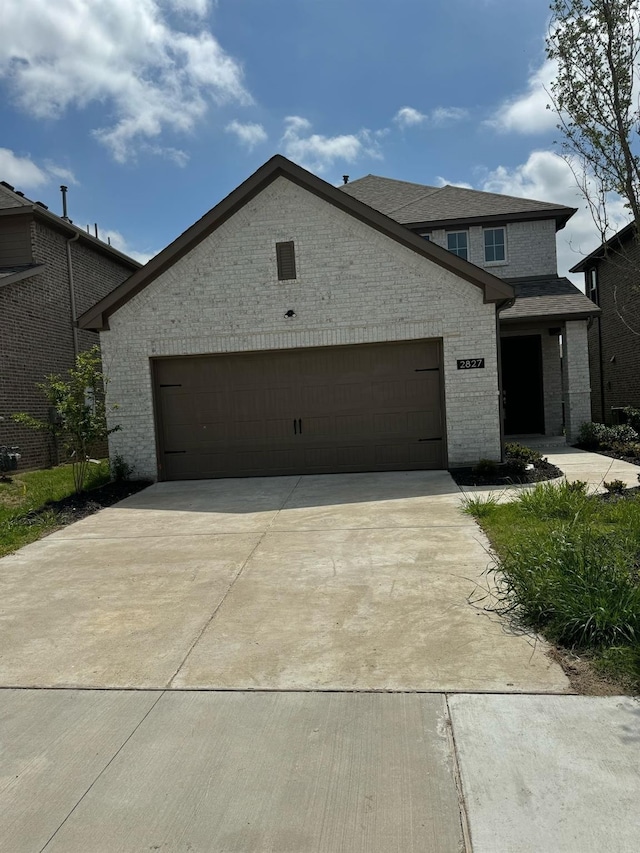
{"x":410,"y":204}
{"x":545,"y":297}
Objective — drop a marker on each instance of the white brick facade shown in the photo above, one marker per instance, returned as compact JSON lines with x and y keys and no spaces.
{"x":530,"y":248}
{"x":575,"y":367}
{"x":354,"y":285}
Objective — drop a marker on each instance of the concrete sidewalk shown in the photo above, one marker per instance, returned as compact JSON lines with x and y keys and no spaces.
{"x":282,"y":772}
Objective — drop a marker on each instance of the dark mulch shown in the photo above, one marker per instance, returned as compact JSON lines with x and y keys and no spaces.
{"x":506,"y":475}
{"x":79,"y":506}
{"x":612,"y":454}
{"x":613,"y":497}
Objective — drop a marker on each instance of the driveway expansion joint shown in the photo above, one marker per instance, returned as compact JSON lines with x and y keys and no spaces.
{"x":230,"y":587}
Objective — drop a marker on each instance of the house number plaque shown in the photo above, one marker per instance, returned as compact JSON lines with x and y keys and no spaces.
{"x":470,"y":363}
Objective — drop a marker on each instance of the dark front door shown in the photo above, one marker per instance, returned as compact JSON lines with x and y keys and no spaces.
{"x":522,"y":385}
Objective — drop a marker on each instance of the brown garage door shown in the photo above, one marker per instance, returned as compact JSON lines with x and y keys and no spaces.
{"x":329,"y":409}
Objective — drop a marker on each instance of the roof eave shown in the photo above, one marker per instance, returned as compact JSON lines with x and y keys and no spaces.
{"x":559,"y":317}
{"x":560,"y":215}
{"x":22,"y":275}
{"x":600,"y":252}
{"x":71,"y":230}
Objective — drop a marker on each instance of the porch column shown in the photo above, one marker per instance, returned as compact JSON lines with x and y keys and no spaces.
{"x":575,"y":375}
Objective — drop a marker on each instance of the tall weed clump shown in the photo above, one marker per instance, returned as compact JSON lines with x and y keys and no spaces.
{"x":579,"y":587}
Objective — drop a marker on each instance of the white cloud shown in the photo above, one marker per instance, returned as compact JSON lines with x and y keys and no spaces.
{"x":408,"y":117}
{"x":318,"y":153}
{"x":547,"y":177}
{"x":439,"y":117}
{"x":443,"y":182}
{"x":447,"y":115}
{"x":193,"y":7}
{"x":119,"y":242}
{"x":528,"y":113}
{"x":24,"y":174}
{"x":249,"y":134}
{"x":124,"y":55}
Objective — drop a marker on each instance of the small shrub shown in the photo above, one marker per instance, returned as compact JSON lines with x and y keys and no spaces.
{"x":120,"y":469}
{"x":485,"y":468}
{"x":615,"y":487}
{"x":633,"y":417}
{"x":518,"y":467}
{"x":565,"y":501}
{"x":514,"y":451}
{"x":631,"y":450}
{"x":621,"y":434}
{"x":593,"y":435}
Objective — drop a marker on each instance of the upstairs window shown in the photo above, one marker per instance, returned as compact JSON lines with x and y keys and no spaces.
{"x":286,"y":258}
{"x":494,"y":245}
{"x":458,"y":243}
{"x":592,"y":285}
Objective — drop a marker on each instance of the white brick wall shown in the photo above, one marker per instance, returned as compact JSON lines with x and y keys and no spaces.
{"x":354,"y":285}
{"x":575,"y":369}
{"x":530,"y":250}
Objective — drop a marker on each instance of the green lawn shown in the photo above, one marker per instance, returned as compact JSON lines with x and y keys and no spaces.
{"x":31,"y":491}
{"x":569,"y":568}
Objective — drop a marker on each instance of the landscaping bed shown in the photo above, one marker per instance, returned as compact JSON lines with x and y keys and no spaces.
{"x":506,"y":475}
{"x":521,"y":465}
{"x":35,"y":503}
{"x":77,"y":506}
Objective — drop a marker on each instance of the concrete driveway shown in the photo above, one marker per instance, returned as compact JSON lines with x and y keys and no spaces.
{"x":336,"y":582}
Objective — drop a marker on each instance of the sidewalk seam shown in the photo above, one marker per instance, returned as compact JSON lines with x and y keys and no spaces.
{"x":100,"y":774}
{"x":462,"y":805}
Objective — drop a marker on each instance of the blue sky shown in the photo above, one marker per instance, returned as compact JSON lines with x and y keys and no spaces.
{"x":152,"y":111}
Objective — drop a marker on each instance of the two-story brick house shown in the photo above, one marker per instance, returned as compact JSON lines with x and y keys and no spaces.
{"x":50,"y":272}
{"x":303,"y":328}
{"x":515,"y":240}
{"x":612,"y":281}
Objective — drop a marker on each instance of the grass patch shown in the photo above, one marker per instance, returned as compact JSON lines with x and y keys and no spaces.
{"x":30,"y":492}
{"x":569,"y":568}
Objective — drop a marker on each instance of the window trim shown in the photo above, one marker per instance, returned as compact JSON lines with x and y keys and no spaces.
{"x":464,"y":257}
{"x":505,"y":260}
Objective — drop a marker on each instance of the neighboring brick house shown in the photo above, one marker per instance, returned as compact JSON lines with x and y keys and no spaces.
{"x":297,"y":329}
{"x":45,"y":263}
{"x":612,"y":281}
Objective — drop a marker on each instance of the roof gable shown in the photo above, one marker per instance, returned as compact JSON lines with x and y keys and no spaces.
{"x":494,"y":289}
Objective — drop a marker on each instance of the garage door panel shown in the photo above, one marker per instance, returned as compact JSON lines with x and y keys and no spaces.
{"x":326,"y":409}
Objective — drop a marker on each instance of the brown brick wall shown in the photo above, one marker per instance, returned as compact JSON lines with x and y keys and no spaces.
{"x":36,"y":336}
{"x":616,"y":374}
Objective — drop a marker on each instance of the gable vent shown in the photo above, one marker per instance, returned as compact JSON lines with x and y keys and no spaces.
{"x":286,"y":257}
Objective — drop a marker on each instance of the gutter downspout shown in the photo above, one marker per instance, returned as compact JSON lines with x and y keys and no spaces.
{"x":506,"y":303}
{"x":72,"y":296}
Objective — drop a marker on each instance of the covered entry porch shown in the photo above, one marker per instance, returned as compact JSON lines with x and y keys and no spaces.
{"x":544,"y":359}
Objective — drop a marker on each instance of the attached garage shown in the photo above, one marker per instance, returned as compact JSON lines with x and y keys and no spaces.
{"x":317,"y":410}
{"x":294,"y":329}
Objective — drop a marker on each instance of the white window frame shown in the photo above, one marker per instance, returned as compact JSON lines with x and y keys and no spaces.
{"x":455,"y":251}
{"x":487,"y":263}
